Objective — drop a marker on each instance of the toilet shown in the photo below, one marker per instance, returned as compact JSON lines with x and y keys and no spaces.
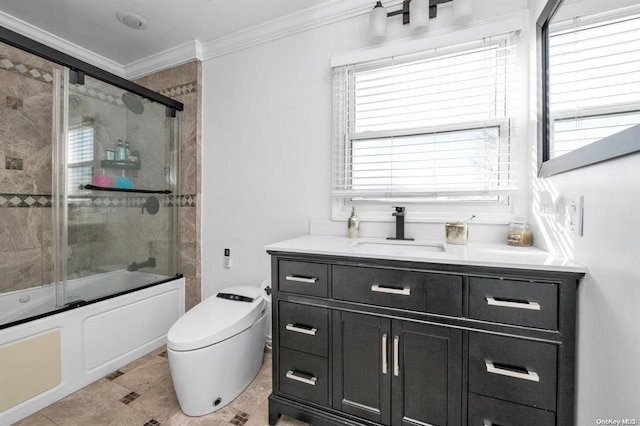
{"x":215,"y":350}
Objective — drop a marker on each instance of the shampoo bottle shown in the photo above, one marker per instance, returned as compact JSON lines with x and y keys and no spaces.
{"x":353,"y":224}
{"x":120,"y":151}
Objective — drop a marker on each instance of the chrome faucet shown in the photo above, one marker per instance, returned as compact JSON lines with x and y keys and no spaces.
{"x":399,"y":214}
{"x":149,"y":263}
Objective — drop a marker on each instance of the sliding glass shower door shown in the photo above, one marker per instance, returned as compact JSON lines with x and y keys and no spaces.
{"x":115,"y":191}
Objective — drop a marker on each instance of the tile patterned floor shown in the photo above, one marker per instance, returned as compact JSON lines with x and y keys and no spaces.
{"x":141,"y":394}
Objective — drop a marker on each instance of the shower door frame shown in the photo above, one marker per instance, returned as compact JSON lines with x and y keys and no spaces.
{"x":28,"y":45}
{"x":76,"y":70}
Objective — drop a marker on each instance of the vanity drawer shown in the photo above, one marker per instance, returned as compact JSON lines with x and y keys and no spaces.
{"x":485,"y":411}
{"x":512,"y":369}
{"x":304,"y":376}
{"x":303,"y":278}
{"x":417,"y":291}
{"x":530,"y":304}
{"x":304,"y":328}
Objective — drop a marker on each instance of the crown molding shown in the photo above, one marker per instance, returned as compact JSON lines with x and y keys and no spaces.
{"x":318,"y":16}
{"x":305,"y":20}
{"x":21,"y":27}
{"x":177,"y":55}
{"x":288,"y":25}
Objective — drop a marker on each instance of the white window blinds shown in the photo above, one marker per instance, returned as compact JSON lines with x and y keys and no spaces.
{"x":594,"y":78}
{"x":438,"y":125}
{"x":80,"y":156}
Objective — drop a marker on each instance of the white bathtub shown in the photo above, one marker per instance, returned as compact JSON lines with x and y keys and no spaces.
{"x":21,"y":304}
{"x":93,"y":340}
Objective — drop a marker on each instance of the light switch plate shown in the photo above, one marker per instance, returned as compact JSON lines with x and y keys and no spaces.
{"x":575,"y":215}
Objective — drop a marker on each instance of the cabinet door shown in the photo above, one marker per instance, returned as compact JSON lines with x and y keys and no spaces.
{"x":362,"y":365}
{"x":426,"y":375}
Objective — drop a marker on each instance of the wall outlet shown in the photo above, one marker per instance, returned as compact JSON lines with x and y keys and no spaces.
{"x":575,"y":215}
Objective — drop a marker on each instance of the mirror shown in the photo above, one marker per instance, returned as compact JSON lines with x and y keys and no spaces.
{"x":589,"y":83}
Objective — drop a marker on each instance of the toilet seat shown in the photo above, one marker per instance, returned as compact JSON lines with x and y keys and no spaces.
{"x":214,"y":320}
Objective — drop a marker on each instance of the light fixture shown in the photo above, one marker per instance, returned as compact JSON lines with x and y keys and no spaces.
{"x":463,"y":10}
{"x":132,"y":20}
{"x":378,"y":23}
{"x":419,"y":16}
{"x":416,"y":13}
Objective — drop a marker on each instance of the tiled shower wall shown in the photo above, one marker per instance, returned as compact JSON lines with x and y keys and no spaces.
{"x":184,"y":84}
{"x":26,"y":96}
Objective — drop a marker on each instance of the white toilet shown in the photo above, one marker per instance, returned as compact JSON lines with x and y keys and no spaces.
{"x":215,"y":350}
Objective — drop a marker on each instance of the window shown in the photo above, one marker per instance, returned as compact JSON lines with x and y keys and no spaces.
{"x":80,"y":156}
{"x":593,"y":78}
{"x":436,"y":129}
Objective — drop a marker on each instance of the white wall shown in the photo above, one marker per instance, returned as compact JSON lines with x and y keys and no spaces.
{"x":267,"y":142}
{"x":608,"y":328}
{"x":266,"y":174}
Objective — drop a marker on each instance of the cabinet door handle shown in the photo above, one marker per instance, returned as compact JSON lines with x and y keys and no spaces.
{"x":294,"y":375}
{"x":303,"y":329}
{"x":490,"y":423}
{"x":300,"y":279}
{"x":384,"y":354}
{"x":404,"y":291}
{"x":518,"y":304}
{"x":529,"y":375}
{"x":396,"y":358}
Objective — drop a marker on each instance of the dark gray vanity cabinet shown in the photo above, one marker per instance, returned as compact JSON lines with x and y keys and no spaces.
{"x":380,"y":342}
{"x":394,"y":372}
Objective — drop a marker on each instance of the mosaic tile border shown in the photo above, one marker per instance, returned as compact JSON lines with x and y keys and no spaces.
{"x":25,"y":200}
{"x":182,"y":89}
{"x":25,"y":70}
{"x":97,"y":94}
{"x":45,"y":200}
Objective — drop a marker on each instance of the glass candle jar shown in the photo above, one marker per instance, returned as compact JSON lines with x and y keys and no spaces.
{"x":518,"y":233}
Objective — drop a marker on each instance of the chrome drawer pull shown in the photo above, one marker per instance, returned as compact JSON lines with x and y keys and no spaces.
{"x":490,"y":423}
{"x":391,"y":290}
{"x":296,"y":278}
{"x":533,"y":306}
{"x":396,"y":358}
{"x":529,"y":375}
{"x":291,"y":374}
{"x":302,"y":329}
{"x":384,"y":354}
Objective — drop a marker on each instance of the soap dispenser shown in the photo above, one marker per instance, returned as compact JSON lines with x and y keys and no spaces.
{"x":353,"y":224}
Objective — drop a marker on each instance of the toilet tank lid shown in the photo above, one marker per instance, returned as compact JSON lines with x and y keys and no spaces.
{"x":214,"y":320}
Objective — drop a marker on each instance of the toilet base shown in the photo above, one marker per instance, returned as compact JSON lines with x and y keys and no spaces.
{"x":209,"y":378}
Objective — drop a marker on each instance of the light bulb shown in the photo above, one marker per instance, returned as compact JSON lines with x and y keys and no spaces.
{"x":418,"y":16}
{"x":378,"y":23}
{"x":462,"y":10}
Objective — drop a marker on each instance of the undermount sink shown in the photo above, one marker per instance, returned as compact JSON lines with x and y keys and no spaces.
{"x":395,"y":246}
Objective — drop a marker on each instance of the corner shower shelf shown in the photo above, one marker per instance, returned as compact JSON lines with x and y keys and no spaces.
{"x":135,"y":191}
{"x":118,"y":164}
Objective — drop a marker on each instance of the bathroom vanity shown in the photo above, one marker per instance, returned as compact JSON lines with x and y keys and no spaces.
{"x":374,"y":333}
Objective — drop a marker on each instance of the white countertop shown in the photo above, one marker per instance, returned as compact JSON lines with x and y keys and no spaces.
{"x":477,"y":254}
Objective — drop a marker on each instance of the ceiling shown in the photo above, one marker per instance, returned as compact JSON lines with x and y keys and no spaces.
{"x":92,"y":24}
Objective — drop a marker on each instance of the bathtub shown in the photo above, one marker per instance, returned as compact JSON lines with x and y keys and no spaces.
{"x":23,"y":304}
{"x":51,"y":356}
